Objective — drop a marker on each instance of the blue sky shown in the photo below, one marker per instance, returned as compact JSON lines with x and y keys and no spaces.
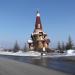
{"x":17,"y":20}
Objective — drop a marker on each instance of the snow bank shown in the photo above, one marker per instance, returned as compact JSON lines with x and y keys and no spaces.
{"x":34,"y":53}
{"x":70,"y":51}
{"x":21,"y":53}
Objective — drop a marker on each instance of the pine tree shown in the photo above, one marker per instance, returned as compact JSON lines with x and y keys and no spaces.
{"x":69,"y":44}
{"x":63,"y":46}
{"x":16,"y":47}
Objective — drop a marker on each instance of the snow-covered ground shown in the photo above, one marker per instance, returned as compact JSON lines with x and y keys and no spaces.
{"x":70,"y":52}
{"x":20,"y":53}
{"x":66,"y":54}
{"x":34,"y":53}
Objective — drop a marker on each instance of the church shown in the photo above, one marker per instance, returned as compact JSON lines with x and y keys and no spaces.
{"x":39,"y":40}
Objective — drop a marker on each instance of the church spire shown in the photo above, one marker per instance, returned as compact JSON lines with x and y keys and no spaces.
{"x":38,"y":24}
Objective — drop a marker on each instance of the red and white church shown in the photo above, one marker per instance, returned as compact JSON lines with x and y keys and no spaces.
{"x":39,"y":39}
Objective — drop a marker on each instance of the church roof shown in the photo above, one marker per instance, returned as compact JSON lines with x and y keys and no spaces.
{"x":38,"y":24}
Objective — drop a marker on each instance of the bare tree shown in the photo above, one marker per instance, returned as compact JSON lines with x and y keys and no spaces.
{"x":25,"y":48}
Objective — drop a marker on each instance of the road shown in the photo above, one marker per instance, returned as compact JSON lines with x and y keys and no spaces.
{"x":12,"y":67}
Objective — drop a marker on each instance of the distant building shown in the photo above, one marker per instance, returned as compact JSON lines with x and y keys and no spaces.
{"x":1,"y":49}
{"x":39,"y":40}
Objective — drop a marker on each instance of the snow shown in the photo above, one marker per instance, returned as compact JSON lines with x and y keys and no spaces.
{"x":35,"y":33}
{"x":30,"y":41}
{"x":70,"y":51}
{"x":38,"y":14}
{"x":56,"y":54}
{"x":34,"y":53}
{"x":21,"y":53}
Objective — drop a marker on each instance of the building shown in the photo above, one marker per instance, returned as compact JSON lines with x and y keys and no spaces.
{"x":39,"y":40}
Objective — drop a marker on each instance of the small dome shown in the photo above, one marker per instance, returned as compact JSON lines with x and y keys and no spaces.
{"x":38,"y":14}
{"x":30,"y":41}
